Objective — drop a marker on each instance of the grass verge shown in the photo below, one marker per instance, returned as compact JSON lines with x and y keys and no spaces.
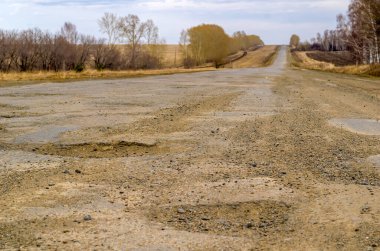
{"x":23,"y":78}
{"x":301,"y":60}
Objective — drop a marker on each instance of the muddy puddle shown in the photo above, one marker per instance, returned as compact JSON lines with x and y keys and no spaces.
{"x":361,"y":126}
{"x":48,"y":134}
{"x":232,"y":219}
{"x":94,"y":150}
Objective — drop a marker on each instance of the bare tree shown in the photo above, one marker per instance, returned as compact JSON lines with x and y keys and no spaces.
{"x":151,"y":33}
{"x":34,"y":49}
{"x":70,"y":33}
{"x":184,"y":44}
{"x":133,"y":30}
{"x":109,"y":25}
{"x":27,"y":53}
{"x":105,"y":56}
{"x":83,"y":52}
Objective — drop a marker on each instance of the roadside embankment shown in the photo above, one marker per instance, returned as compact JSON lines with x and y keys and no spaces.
{"x":302,"y":59}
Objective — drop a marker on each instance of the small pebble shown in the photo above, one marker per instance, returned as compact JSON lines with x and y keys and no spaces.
{"x":87,"y":217}
{"x":181,"y":210}
{"x":205,"y":218}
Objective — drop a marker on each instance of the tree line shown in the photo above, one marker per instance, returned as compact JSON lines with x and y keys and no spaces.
{"x":130,"y":44}
{"x":357,"y":32}
{"x":209,"y":43}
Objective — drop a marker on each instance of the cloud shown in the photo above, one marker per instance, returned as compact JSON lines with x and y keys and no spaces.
{"x":266,"y":6}
{"x":273,"y":19}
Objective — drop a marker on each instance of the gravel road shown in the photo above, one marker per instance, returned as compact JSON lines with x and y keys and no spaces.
{"x":268,"y":158}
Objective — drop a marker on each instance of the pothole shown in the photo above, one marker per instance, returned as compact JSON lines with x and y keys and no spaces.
{"x":96,"y":150}
{"x":45,"y":135}
{"x":361,"y":126}
{"x":239,"y":219}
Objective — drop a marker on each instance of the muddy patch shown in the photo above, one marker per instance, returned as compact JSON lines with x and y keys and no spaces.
{"x":361,"y":126}
{"x":238,"y":219}
{"x":45,"y":135}
{"x":96,"y":150}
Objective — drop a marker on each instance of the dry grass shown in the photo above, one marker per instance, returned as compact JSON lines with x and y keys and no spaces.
{"x":301,"y":59}
{"x":258,"y":58}
{"x":338,"y":58}
{"x":172,"y":61}
{"x":16,"y":78}
{"x":172,"y":57}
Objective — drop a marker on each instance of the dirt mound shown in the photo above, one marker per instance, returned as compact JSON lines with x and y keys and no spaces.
{"x":240,"y":219}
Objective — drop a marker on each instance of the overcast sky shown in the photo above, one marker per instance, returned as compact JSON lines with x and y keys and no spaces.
{"x":273,"y":20}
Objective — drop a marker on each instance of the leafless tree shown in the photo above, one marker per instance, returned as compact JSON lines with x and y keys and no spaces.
{"x":106,"y":57}
{"x":109,"y":25}
{"x":70,"y":33}
{"x":151,"y":33}
{"x":34,"y":49}
{"x":358,"y":33}
{"x":27,"y":51}
{"x":133,"y":30}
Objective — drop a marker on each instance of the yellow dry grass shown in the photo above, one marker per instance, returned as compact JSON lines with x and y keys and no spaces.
{"x":258,"y":58}
{"x":172,"y":56}
{"x":300,"y":59}
{"x":17,"y":78}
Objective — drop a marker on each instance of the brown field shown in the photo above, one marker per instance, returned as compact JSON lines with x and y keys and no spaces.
{"x":304,"y":59}
{"x":258,"y":58}
{"x":172,"y":57}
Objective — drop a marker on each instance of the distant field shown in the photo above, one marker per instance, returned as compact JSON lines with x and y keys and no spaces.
{"x":258,"y":58}
{"x":172,"y":56}
{"x":308,"y":60}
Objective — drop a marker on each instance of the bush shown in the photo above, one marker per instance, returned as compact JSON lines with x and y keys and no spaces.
{"x":79,"y":68}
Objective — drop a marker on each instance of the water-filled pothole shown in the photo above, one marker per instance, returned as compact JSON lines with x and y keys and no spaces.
{"x":95,"y":150}
{"x":225,"y":219}
{"x":362,"y":126}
